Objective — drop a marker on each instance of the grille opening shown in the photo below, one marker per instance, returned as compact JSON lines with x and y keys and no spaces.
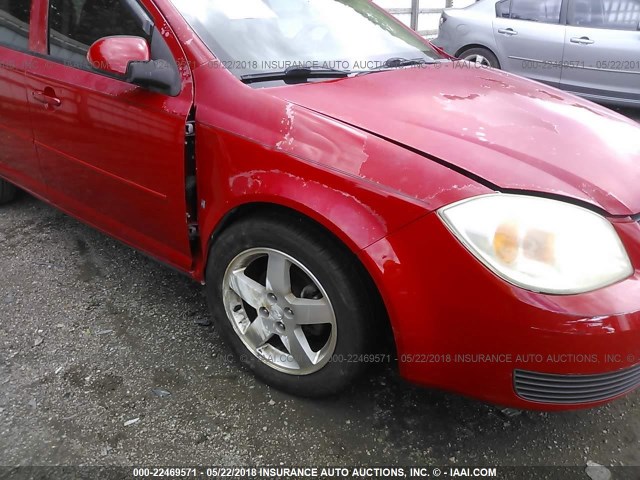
{"x":560,"y":389}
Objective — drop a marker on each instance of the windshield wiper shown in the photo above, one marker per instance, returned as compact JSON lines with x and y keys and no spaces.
{"x":295,"y":75}
{"x":399,"y":62}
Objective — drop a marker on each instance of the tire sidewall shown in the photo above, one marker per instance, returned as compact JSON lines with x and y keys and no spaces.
{"x":8,"y":192}
{"x":488,"y":54}
{"x":343,"y":290}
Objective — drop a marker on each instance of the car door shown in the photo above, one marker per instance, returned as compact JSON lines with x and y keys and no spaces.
{"x":18,"y":159}
{"x":603,"y":49}
{"x":112,"y":153}
{"x":531,"y":38}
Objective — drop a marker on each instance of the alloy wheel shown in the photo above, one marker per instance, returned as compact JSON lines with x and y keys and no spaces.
{"x":280,"y":311}
{"x":479,"y":60}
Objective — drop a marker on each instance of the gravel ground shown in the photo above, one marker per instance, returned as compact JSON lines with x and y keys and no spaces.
{"x":89,"y":328}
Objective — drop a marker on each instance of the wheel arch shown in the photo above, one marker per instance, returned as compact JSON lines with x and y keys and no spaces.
{"x":356,"y":213}
{"x":299,"y":212}
{"x":336,"y":235}
{"x":471,"y":46}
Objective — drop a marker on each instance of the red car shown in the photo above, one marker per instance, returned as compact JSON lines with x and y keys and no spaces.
{"x":334,"y":182}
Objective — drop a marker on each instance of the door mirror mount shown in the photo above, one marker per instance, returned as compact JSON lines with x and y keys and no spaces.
{"x":156,"y":75}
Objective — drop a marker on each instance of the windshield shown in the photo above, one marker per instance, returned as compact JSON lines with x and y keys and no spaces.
{"x":251,"y":37}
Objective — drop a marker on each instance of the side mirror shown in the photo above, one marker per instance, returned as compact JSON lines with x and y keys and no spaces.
{"x":112,"y":55}
{"x":129,"y":58}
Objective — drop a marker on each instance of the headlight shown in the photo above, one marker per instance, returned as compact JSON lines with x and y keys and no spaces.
{"x":540,"y":244}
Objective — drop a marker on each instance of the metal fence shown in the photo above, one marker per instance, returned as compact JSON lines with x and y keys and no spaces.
{"x":421,"y":15}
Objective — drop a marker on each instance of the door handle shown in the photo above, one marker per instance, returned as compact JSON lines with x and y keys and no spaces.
{"x":507,"y":31}
{"x":582,"y":40}
{"x":47,"y":97}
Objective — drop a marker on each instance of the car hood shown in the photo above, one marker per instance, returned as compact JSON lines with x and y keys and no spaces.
{"x":510,"y":132}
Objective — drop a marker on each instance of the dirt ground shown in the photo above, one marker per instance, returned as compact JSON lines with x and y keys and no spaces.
{"x":104,"y":361}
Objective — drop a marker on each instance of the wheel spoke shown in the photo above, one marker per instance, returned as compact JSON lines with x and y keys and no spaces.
{"x":480,"y":60}
{"x":278,"y":274}
{"x":311,"y":312}
{"x":258,"y":334}
{"x":248,"y":289}
{"x":280,"y":313}
{"x":298,"y":346}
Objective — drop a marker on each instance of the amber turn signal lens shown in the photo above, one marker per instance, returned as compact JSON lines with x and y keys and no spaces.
{"x":540,"y":244}
{"x":505,"y":242}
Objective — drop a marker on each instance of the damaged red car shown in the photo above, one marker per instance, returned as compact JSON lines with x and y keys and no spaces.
{"x":336,"y":183}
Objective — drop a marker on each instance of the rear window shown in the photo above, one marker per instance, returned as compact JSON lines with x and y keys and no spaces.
{"x":543,"y":11}
{"x":611,"y":14}
{"x":503,"y":9}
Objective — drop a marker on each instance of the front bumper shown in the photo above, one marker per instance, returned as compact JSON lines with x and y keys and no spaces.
{"x":461,"y":328}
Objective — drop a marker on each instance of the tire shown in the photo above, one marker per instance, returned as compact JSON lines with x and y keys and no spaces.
{"x":481,"y":57}
{"x":326,"y":284}
{"x":7,"y":192}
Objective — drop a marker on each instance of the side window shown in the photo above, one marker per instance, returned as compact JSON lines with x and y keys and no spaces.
{"x":612,"y":14}
{"x":14,"y":23}
{"x":74,"y":25}
{"x":503,"y":9}
{"x":543,"y":11}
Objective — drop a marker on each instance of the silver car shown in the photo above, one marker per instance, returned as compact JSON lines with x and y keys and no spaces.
{"x":588,"y":47}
